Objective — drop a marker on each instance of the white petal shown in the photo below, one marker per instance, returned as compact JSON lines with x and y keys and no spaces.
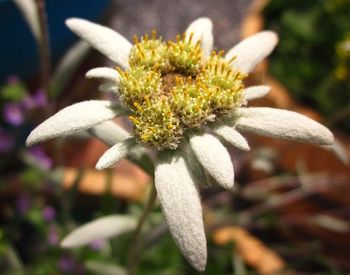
{"x":255,"y":92}
{"x":200,"y":176}
{"x":108,"y":88}
{"x":214,"y":158}
{"x":115,"y":154}
{"x":252,"y":50}
{"x":103,"y":39}
{"x":30,"y":13}
{"x":76,"y":117}
{"x":202,"y":30}
{"x":339,"y":150}
{"x":102,"y":267}
{"x":102,"y":228}
{"x":331,"y":223}
{"x":109,"y":132}
{"x":103,"y":72}
{"x":282,"y":124}
{"x":181,"y":206}
{"x":68,"y":64}
{"x":232,"y":136}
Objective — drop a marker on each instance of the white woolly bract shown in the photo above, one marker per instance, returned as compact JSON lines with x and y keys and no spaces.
{"x":339,"y":150}
{"x":214,"y":158}
{"x":115,"y":154}
{"x":202,"y":30}
{"x":30,"y":13}
{"x":282,"y":124}
{"x":255,"y":92}
{"x":181,"y":206}
{"x":104,"y":73}
{"x":232,"y":136}
{"x":102,"y":228}
{"x":109,"y":132}
{"x":101,"y":267}
{"x":68,"y":64}
{"x":252,"y":50}
{"x":103,"y":39}
{"x":108,"y":87}
{"x":76,"y":117}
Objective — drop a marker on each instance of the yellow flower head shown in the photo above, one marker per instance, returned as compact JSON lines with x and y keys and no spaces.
{"x":171,"y":87}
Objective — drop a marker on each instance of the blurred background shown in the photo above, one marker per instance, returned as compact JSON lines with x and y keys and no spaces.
{"x":290,"y":211}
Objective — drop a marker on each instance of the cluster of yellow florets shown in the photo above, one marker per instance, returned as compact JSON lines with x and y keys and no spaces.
{"x":171,"y":87}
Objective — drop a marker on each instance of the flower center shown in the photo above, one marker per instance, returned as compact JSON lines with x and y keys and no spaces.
{"x":171,"y":87}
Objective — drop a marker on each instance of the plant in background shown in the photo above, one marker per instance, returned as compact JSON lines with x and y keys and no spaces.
{"x":183,"y":100}
{"x":17,"y":105}
{"x":313,"y":64}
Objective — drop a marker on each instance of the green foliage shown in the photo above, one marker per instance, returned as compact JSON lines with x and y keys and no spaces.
{"x":312,"y":59}
{"x":12,"y":93}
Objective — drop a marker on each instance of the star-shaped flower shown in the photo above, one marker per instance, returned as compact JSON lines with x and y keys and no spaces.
{"x":183,"y":100}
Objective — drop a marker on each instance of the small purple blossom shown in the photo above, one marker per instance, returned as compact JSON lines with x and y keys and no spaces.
{"x":39,"y":97}
{"x":37,"y":100}
{"x":28,"y":103}
{"x":49,"y":213}
{"x":6,"y":141}
{"x":66,"y":264}
{"x":38,"y":153}
{"x":53,"y":237}
{"x":13,"y":114}
{"x":97,"y":244}
{"x":23,"y":204}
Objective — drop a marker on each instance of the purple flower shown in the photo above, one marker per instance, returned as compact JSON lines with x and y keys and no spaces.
{"x":28,"y":103}
{"x":97,"y":244}
{"x":66,"y":264}
{"x":39,"y":97}
{"x":53,"y":237}
{"x":49,"y":213}
{"x":38,"y":153}
{"x":13,"y":114}
{"x":6,"y":141}
{"x":23,"y":204}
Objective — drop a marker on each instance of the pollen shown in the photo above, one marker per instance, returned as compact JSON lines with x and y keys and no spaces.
{"x":171,"y":87}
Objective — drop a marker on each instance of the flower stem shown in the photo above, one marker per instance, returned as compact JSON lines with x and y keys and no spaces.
{"x":136,"y":245}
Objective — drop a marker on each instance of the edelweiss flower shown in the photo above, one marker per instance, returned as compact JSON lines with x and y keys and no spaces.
{"x":183,"y":100}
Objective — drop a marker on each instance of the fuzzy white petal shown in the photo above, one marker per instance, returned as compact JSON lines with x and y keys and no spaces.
{"x":109,"y":88}
{"x":255,"y":92}
{"x":214,"y":157}
{"x":252,"y":50}
{"x":232,"y":136}
{"x":109,"y":132}
{"x":102,"y":228}
{"x":30,"y":13}
{"x":103,"y":39}
{"x":282,"y":124}
{"x":181,"y":206}
{"x":115,"y":154}
{"x":103,"y":72}
{"x":76,"y":117}
{"x":101,"y":267}
{"x":200,"y":176}
{"x":68,"y":65}
{"x":202,"y":30}
{"x":339,"y":150}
